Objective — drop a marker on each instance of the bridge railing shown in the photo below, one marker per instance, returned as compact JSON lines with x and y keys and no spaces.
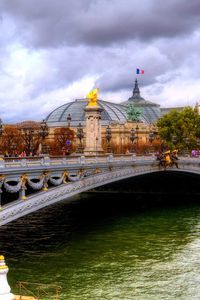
{"x":23,"y":176}
{"x":10,"y":163}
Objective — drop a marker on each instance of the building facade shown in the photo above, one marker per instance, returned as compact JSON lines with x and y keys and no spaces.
{"x":113,"y":115}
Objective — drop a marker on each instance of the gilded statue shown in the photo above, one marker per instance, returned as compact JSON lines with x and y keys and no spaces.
{"x":92,"y":97}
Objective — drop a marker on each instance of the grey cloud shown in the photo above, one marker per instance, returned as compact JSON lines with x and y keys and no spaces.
{"x":104,"y":39}
{"x":54,"y":23}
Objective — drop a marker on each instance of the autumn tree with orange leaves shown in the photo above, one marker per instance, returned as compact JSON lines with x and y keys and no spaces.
{"x":31,"y":139}
{"x":62,"y":137}
{"x":11,"y":140}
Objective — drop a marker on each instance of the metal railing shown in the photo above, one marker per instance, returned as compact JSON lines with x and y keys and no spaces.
{"x":39,"y":291}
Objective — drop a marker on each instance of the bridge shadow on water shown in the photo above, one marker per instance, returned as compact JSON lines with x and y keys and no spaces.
{"x":168,"y":185}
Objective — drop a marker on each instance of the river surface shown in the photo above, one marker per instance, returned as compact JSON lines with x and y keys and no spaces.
{"x":102,"y":247}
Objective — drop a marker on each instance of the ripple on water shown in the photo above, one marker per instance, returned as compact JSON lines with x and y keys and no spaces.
{"x":94,"y":255}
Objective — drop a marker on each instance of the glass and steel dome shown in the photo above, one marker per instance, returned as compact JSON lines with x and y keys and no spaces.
{"x":150,"y":110}
{"x":112,"y":112}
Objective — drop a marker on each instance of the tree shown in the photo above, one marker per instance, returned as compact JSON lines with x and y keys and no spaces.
{"x":11,"y":140}
{"x":63,"y":140}
{"x":133,"y":113}
{"x":180,"y":129}
{"x":30,"y":134}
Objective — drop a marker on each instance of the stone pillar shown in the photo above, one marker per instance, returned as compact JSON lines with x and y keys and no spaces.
{"x":4,"y":286}
{"x":93,"y":130}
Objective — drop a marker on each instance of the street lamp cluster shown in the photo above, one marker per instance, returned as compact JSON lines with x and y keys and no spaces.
{"x":108,"y":138}
{"x":134,"y":135}
{"x":43,"y":132}
{"x":80,"y":136}
{"x":151,"y":137}
{"x":29,"y":134}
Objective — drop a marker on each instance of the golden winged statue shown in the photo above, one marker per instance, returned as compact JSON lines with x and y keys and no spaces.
{"x":92,"y":97}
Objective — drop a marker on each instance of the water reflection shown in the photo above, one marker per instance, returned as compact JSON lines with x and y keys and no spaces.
{"x":108,"y":248}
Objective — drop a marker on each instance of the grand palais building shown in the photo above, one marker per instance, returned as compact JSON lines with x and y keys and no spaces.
{"x":113,"y":115}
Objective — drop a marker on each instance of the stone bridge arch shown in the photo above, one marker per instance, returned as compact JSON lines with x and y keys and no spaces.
{"x":40,"y":200}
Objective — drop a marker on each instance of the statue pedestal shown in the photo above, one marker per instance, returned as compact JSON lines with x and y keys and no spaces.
{"x":93,"y":130}
{"x":5,"y":293}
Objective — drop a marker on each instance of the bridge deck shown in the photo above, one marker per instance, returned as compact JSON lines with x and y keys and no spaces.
{"x":65,"y":181}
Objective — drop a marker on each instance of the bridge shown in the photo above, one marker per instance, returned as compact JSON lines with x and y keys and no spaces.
{"x":39,"y":182}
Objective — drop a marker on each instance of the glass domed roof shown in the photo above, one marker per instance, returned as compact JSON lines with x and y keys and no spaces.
{"x":112,"y":112}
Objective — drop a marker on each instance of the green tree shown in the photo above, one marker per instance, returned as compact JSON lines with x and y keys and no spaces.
{"x":180,"y":129}
{"x":133,"y":113}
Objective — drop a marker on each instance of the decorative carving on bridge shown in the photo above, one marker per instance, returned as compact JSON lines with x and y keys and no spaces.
{"x":12,"y":188}
{"x":77,"y":182}
{"x":65,"y":176}
{"x":23,"y":180}
{"x":46,"y":175}
{"x":36,"y":185}
{"x":97,"y":171}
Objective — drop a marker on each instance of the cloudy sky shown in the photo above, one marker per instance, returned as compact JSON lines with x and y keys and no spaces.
{"x":53,"y":51}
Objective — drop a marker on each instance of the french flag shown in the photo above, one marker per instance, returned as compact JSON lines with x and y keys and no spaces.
{"x":139,"y":71}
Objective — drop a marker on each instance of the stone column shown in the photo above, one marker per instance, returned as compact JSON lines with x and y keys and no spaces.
{"x":93,"y":130}
{"x":4,"y":286}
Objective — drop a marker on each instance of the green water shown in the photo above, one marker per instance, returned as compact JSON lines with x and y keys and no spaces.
{"x":100,"y":249}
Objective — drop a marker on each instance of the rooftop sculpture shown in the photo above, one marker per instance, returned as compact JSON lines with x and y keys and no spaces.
{"x":92,"y":96}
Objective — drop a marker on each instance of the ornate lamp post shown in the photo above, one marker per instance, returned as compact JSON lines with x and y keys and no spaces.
{"x":69,"y":118}
{"x":132,"y":138}
{"x":108,"y":138}
{"x":151,"y":137}
{"x":80,"y":136}
{"x":44,"y":131}
{"x":137,"y":133}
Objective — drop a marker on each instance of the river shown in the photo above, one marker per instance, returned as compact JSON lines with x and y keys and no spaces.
{"x":103,"y":247}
